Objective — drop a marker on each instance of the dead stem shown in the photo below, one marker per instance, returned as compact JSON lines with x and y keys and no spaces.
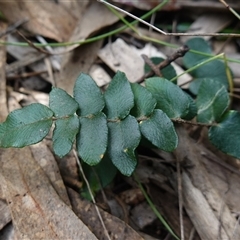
{"x":179,"y":120}
{"x":172,"y":34}
{"x":156,"y":68}
{"x":91,"y":194}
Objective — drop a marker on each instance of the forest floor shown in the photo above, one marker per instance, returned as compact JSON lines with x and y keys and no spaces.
{"x":190,"y":193}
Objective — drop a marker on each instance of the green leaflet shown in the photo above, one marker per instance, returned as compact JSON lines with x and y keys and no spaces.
{"x":26,"y":126}
{"x":120,"y":134}
{"x":170,"y":98}
{"x":160,"y":131}
{"x":88,"y":95}
{"x":118,"y":97}
{"x":67,"y":124}
{"x":199,"y":44}
{"x":124,"y":137}
{"x":212,"y":101}
{"x":144,"y":102}
{"x":64,"y":134}
{"x":214,"y":69}
{"x":61,"y":103}
{"x":168,"y":72}
{"x":226,"y":135}
{"x":92,"y":138}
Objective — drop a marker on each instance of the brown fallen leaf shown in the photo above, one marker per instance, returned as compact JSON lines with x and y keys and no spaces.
{"x":75,"y":62}
{"x":96,"y":17}
{"x":86,"y":211}
{"x":120,"y":56}
{"x":37,"y":210}
{"x":5,"y":216}
{"x":198,"y":189}
{"x":51,"y":19}
{"x":201,"y":25}
{"x":46,"y":160}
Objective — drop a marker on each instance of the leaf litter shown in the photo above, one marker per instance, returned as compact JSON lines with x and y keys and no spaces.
{"x":32,"y":189}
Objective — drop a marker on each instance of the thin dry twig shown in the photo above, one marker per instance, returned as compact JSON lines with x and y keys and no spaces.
{"x":180,"y":120}
{"x":169,"y":34}
{"x":155,"y":69}
{"x":25,"y":75}
{"x":91,"y":194}
{"x":224,"y":3}
{"x":32,"y":44}
{"x":230,"y":9}
{"x":234,"y":95}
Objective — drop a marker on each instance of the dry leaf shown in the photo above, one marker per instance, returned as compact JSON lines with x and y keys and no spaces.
{"x":96,"y":17}
{"x":118,"y":230}
{"x":198,"y":189}
{"x":100,"y":76}
{"x":46,"y":160}
{"x":48,"y":18}
{"x":208,"y":23}
{"x":120,"y":56}
{"x":75,"y":62}
{"x":4,"y":213}
{"x":37,"y":211}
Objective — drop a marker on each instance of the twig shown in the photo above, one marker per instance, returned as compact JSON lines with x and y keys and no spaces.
{"x":56,"y":65}
{"x":25,"y":75}
{"x":32,"y":44}
{"x":25,"y":61}
{"x":170,"y":34}
{"x":155,"y":69}
{"x":133,"y":16}
{"x":234,"y":95}
{"x":179,"y":120}
{"x":230,"y":9}
{"x":179,"y":53}
{"x":91,"y":194}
